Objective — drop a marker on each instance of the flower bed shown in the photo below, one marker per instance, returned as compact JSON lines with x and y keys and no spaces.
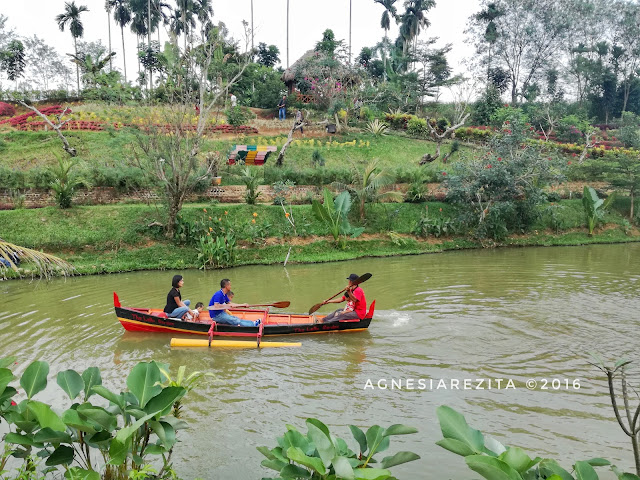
{"x":24,"y":118}
{"x":97,"y":126}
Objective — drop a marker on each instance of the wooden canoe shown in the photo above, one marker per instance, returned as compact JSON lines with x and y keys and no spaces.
{"x":155,"y":320}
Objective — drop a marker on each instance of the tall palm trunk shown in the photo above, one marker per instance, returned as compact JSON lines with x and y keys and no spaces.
{"x":124,"y":57}
{"x":75,"y":47}
{"x":349,"y":32}
{"x":287,"y":33}
{"x":149,"y":40}
{"x":110,"y":59}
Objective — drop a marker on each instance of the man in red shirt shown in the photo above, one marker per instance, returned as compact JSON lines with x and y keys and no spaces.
{"x":356,"y":307}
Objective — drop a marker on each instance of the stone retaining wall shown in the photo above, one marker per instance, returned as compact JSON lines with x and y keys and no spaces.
{"x":224,"y":194}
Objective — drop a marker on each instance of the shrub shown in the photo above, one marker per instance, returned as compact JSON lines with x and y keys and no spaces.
{"x":377,"y":127}
{"x":418,"y":127}
{"x":571,"y":128}
{"x":281,"y":190}
{"x":7,"y":110}
{"x":237,"y":116}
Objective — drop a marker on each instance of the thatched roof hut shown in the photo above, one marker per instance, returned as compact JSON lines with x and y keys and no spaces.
{"x":289,"y":75}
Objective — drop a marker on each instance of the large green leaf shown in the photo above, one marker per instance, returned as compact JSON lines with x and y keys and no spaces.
{"x":320,"y":212}
{"x":109,"y":395}
{"x":360,"y":437}
{"x":598,"y":462}
{"x":165,"y":432}
{"x":374,"y":438}
{"x":143,"y":382}
{"x":7,"y":394}
{"x":63,"y":455}
{"x":516,"y":458}
{"x":549,"y":467}
{"x":298,"y":456}
{"x":6,"y":376}
{"x":456,"y":446}
{"x":454,"y":425}
{"x":77,"y":473}
{"x":293,"y":438}
{"x":294,"y":472}
{"x":163,"y":402}
{"x":584,"y":471}
{"x":34,"y":378}
{"x":343,"y":204}
{"x":273,"y":464}
{"x":72,"y":419}
{"x":398,"y":459}
{"x":319,"y":434}
{"x":399,"y":429}
{"x":371,"y":473}
{"x":71,"y":382}
{"x":491,"y":468}
{"x":98,"y":417}
{"x":343,"y":468}
{"x":45,"y":416}
{"x":47,"y":435}
{"x":18,"y":439}
{"x":118,"y":451}
{"x":91,"y":377}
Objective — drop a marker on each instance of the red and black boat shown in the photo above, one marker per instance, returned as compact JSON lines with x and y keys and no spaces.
{"x":155,"y":320}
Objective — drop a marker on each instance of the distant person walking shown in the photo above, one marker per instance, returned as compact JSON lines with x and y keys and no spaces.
{"x":234,"y":99}
{"x":282,"y":108}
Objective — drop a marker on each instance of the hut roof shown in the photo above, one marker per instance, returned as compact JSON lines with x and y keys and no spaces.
{"x":289,"y":74}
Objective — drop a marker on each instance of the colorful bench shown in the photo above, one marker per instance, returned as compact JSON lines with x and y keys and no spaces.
{"x":250,"y":154}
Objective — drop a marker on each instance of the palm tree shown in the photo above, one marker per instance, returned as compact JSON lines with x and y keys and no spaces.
{"x":91,"y":67}
{"x":107,"y":7}
{"x":413,"y":19}
{"x":47,"y":265}
{"x":71,"y":17}
{"x":488,"y":16}
{"x":122,"y":16}
{"x":390,"y":11}
{"x":287,"y":33}
{"x":204,"y":12}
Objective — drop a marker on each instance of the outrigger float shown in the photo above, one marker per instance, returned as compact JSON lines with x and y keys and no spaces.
{"x":156,"y":321}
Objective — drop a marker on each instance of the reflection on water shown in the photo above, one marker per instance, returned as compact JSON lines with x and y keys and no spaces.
{"x":500,"y":314}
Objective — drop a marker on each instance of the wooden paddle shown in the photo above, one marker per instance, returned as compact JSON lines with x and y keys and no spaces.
{"x":275,"y":305}
{"x":358,"y":281}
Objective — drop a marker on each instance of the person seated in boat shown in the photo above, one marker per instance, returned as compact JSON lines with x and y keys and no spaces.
{"x":194,"y":315}
{"x":356,"y":307}
{"x":219,"y":304}
{"x":175,"y":307}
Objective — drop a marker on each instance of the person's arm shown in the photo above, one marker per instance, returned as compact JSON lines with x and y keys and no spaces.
{"x":336,"y":300}
{"x":224,"y":306}
{"x":179,"y":302}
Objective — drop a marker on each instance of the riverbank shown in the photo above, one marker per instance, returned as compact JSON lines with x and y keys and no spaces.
{"x":121,"y":238}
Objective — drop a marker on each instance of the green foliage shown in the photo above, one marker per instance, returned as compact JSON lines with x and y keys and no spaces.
{"x":629,"y":134}
{"x":509,"y":114}
{"x":377,"y":128}
{"x":501,"y":191}
{"x":317,"y":160}
{"x":251,"y":179}
{"x":417,"y":127}
{"x":137,"y":425}
{"x":572,"y":128}
{"x":494,"y":461}
{"x":281,"y":190}
{"x":436,"y":226}
{"x":238,"y":115}
{"x":319,"y":455}
{"x":486,"y":106}
{"x":65,"y":181}
{"x":594,"y":207}
{"x":333,"y":214}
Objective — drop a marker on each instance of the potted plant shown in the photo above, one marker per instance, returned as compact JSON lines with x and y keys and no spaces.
{"x":213,"y":162}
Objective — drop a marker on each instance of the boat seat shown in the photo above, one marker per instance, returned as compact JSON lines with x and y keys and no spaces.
{"x":161,"y":315}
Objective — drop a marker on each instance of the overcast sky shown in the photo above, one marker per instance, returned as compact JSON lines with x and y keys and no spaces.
{"x":308,"y":20}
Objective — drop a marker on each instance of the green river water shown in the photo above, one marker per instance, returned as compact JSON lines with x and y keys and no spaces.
{"x":514,"y":314}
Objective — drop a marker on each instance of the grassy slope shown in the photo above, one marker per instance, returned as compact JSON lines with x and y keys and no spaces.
{"x":117,"y":237}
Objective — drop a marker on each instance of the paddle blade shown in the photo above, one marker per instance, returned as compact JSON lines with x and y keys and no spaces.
{"x":314,"y":308}
{"x":281,"y":304}
{"x":362,"y":278}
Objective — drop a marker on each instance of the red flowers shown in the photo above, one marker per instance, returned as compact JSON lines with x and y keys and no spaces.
{"x":499,"y":159}
{"x":569,"y":162}
{"x":444,"y":173}
{"x":489,"y":166}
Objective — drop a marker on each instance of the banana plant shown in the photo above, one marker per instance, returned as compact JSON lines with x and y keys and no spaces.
{"x":320,"y":455}
{"x":594,"y":206}
{"x":334,"y":215}
{"x":136,"y":424}
{"x":494,"y":461}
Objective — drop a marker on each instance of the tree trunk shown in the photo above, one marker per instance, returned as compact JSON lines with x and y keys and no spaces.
{"x":110,"y":59}
{"x":124,"y":57}
{"x":514,"y":94}
{"x":632,"y":198}
{"x":149,"y":43}
{"x":287,"y":33}
{"x":75,"y":47}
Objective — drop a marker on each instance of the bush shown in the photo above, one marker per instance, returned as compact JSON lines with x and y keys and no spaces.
{"x":237,"y":116}
{"x":417,"y":127}
{"x":571,"y":128}
{"x":7,"y":110}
